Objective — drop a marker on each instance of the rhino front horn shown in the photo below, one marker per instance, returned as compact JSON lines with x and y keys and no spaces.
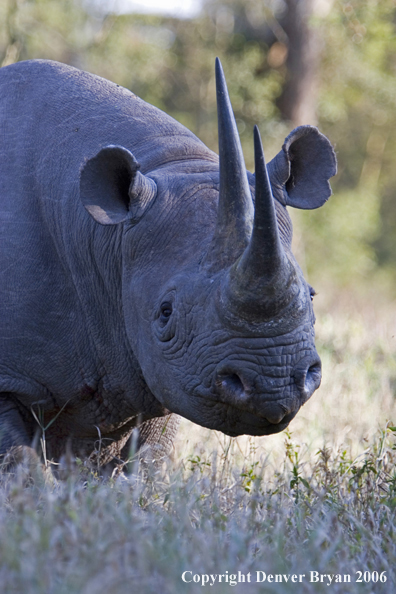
{"x":261,"y":282}
{"x":235,"y":210}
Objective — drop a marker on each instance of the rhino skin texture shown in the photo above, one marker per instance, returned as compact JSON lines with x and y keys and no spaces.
{"x":129,"y":289}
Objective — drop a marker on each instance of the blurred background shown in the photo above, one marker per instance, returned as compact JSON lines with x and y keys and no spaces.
{"x":330,"y":63}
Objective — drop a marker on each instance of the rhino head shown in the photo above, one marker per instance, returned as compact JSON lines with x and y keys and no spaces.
{"x":216,"y":308}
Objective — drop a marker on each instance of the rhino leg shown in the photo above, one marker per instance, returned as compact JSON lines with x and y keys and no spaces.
{"x":15,"y":444}
{"x":156,"y":437}
{"x":155,"y":440}
{"x":12,"y":427}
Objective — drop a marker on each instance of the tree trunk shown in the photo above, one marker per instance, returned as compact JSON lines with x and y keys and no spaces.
{"x":298,"y":100}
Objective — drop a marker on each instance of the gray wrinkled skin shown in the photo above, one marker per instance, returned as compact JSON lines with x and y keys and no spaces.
{"x":114,"y":304}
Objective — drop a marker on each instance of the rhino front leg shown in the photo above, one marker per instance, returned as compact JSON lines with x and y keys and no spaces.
{"x":155,"y":439}
{"x":15,"y":443}
{"x":12,"y":427}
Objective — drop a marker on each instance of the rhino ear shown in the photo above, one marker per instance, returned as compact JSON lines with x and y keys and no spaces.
{"x":300,"y":172}
{"x":112,"y":189}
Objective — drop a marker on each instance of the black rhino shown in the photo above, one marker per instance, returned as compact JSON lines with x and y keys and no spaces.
{"x":138,"y":279}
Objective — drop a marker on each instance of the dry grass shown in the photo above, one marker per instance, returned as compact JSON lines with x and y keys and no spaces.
{"x":321,"y":498}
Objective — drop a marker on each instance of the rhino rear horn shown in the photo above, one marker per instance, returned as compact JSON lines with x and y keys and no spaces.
{"x":262,"y":282}
{"x":112,"y":189}
{"x":264,"y":256}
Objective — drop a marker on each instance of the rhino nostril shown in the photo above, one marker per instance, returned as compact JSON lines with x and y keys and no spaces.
{"x":315,"y":369}
{"x":231,"y":384}
{"x":313,"y":378}
{"x":307,"y":376}
{"x":234,"y":383}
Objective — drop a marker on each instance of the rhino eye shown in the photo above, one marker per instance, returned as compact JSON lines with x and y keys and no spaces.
{"x":166,"y":312}
{"x":312,"y":292}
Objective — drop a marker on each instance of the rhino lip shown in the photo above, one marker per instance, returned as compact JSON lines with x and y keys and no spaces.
{"x":255,"y":430}
{"x":241,"y":422}
{"x":242,"y":413}
{"x":249,"y":420}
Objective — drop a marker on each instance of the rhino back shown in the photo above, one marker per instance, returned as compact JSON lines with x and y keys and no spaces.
{"x":81,"y":110}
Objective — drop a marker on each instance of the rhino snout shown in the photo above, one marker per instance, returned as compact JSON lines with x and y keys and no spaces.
{"x":236,"y":388}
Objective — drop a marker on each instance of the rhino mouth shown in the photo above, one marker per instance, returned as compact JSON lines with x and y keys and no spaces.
{"x":240,"y":422}
{"x":243,"y":418}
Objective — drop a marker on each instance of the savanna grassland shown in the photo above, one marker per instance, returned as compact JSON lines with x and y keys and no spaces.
{"x":318,"y":498}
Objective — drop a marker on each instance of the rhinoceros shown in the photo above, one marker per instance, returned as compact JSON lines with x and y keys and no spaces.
{"x":143,"y":276}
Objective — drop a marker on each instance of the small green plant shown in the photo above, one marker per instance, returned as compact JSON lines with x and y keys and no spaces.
{"x":292,"y":455}
{"x":250,"y":477}
{"x":198,"y":463}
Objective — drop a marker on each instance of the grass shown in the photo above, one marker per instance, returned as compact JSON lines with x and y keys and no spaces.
{"x":320,"y":498}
